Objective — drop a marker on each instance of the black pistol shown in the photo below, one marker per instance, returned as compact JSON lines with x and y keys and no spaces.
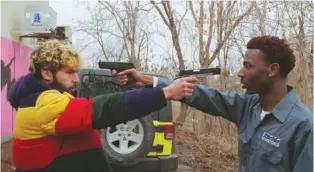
{"x":118,"y":67}
{"x":199,"y":72}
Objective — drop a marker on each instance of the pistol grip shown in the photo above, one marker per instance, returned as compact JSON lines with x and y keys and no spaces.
{"x":131,"y":83}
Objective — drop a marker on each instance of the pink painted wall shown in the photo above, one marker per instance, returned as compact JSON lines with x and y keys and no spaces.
{"x":11,"y":69}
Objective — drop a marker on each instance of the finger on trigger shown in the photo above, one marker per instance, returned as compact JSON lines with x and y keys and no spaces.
{"x":191,"y":79}
{"x":190,"y":85}
{"x":121,"y":76}
{"x":125,"y":72}
{"x":188,"y":94}
{"x":190,"y":91}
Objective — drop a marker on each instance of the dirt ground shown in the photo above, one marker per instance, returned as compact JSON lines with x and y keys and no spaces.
{"x":197,"y":153}
{"x":6,"y":163}
{"x":204,"y":153}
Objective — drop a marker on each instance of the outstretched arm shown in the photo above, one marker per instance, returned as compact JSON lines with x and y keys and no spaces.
{"x":211,"y":101}
{"x":228,"y":105}
{"x":63,"y":114}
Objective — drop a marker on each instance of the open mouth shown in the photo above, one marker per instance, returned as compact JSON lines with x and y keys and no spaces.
{"x":244,"y":85}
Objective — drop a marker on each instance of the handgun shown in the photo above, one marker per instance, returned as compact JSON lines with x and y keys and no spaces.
{"x":118,"y":67}
{"x":199,"y":72}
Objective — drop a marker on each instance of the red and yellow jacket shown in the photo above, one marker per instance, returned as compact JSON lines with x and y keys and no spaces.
{"x":50,"y":124}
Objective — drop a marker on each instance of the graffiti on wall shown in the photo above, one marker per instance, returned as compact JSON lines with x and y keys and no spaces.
{"x":6,"y":79}
{"x":14,"y":63}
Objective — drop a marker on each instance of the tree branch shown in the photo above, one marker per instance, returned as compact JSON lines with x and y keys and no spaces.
{"x":248,"y":11}
{"x":161,"y":14}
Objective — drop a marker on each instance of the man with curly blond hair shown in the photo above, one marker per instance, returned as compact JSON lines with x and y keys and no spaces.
{"x":56,"y":132}
{"x":275,"y":128}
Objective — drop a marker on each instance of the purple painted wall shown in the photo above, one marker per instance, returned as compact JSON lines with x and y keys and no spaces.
{"x":14,"y":63}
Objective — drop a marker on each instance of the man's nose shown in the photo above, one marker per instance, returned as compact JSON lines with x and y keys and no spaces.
{"x":241,"y":73}
{"x":76,"y":78}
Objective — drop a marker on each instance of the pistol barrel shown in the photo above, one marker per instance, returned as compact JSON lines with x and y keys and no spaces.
{"x":199,"y":72}
{"x":115,"y":65}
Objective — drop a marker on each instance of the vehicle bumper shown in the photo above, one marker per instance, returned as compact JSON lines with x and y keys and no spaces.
{"x":152,"y":164}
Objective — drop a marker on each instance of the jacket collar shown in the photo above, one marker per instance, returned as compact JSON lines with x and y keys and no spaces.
{"x":284,"y":107}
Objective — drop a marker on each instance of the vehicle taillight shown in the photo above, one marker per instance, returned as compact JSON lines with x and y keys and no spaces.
{"x":169,"y":132}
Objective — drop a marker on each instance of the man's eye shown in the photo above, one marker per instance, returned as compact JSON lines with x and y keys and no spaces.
{"x":248,"y":66}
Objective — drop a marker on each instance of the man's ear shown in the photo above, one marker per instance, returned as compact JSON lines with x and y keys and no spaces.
{"x":274,"y":69}
{"x":46,"y":75}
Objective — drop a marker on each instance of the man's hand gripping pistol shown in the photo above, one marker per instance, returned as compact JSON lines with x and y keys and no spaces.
{"x":117,"y":67}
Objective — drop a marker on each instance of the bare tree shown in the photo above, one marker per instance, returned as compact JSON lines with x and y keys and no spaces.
{"x":126,"y":18}
{"x":98,"y":31}
{"x":294,"y":23}
{"x":226,"y":21}
{"x":169,"y":20}
{"x":302,"y":41}
{"x":117,"y":30}
{"x":261,"y":12}
{"x":224,"y":17}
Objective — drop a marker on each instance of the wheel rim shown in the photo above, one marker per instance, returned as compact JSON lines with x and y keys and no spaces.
{"x":125,"y":138}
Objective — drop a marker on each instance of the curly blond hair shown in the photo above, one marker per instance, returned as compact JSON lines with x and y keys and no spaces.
{"x":52,"y":55}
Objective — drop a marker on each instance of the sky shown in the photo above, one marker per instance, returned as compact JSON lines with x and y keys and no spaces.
{"x":69,"y":11}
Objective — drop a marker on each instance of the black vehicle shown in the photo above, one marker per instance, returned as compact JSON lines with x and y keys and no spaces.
{"x":141,"y":145}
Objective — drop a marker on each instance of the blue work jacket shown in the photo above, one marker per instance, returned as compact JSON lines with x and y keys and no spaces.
{"x":281,"y":142}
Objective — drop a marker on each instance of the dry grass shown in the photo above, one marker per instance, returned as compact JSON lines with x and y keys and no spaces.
{"x":205,"y":153}
{"x":6,"y":162}
{"x":210,"y":150}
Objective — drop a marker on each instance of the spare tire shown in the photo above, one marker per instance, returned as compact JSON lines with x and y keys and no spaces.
{"x":128,"y":143}
{"x":136,"y":137}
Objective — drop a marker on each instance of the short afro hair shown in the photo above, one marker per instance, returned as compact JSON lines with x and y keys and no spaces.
{"x":276,"y":50}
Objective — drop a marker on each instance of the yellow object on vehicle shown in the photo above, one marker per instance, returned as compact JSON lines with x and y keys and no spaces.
{"x":164,"y":136}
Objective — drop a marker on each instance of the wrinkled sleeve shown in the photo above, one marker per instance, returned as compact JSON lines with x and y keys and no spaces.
{"x":211,"y":101}
{"x":60,"y":114}
{"x":303,"y":153}
{"x":115,"y":108}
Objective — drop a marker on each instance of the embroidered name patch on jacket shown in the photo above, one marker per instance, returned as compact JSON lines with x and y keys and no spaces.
{"x":275,"y":141}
